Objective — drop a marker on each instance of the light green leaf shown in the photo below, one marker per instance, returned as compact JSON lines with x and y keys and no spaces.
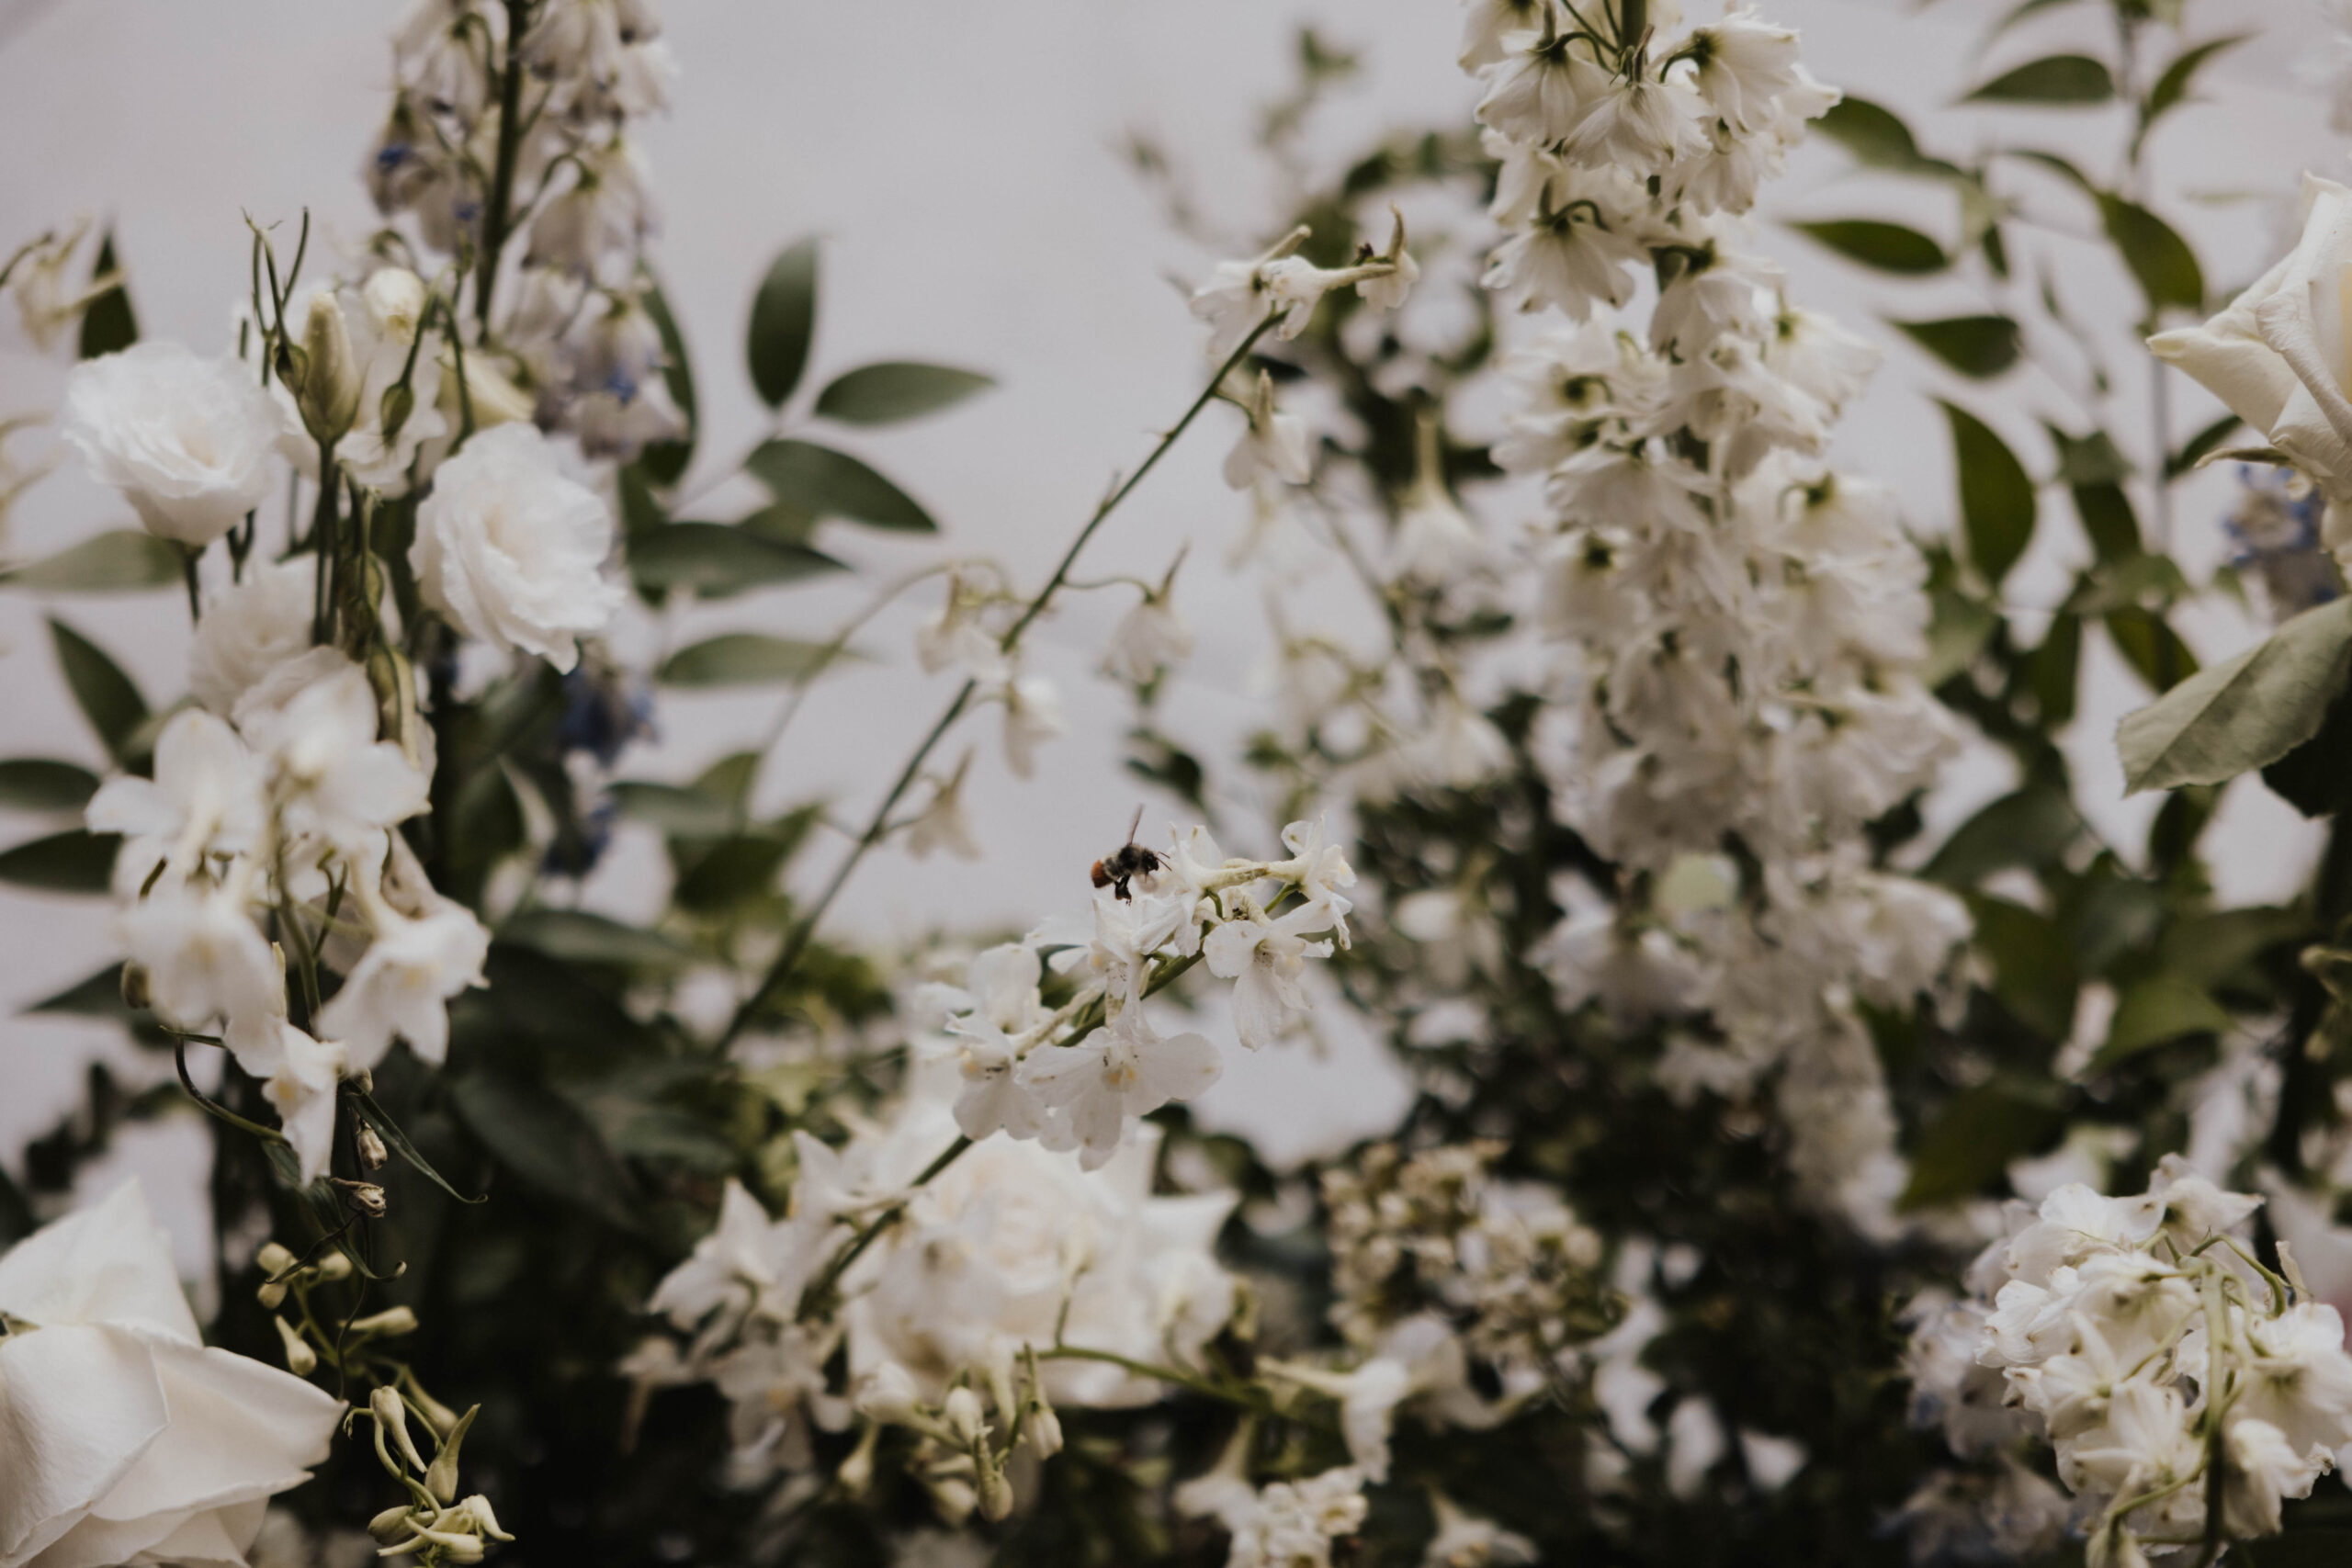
{"x":715,"y":561}
{"x":1890,"y":247}
{"x":2242,"y":714}
{"x":894,"y":389}
{"x":1974,"y":346}
{"x":784,"y":320}
{"x":664,"y":462}
{"x":834,"y":484}
{"x":39,"y":784}
{"x":2030,"y":828}
{"x":744,"y":658}
{"x":122,"y":561}
{"x":1956,"y":636}
{"x":74,"y":862}
{"x":581,"y":937}
{"x":2172,"y":87}
{"x":677,"y":811}
{"x":1997,"y":499}
{"x":107,"y":323}
{"x":2162,"y":1008}
{"x":106,"y":696}
{"x":2159,"y":258}
{"x":1877,"y":136}
{"x":1965,"y":1149}
{"x":2054,"y":79}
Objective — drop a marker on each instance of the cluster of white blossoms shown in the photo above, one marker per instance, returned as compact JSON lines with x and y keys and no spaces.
{"x":491,"y":135}
{"x":2187,"y":1389}
{"x":124,"y":1440}
{"x":1745,"y":624}
{"x":1007,"y":1281}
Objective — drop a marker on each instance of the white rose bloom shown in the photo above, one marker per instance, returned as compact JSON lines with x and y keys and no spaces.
{"x":250,"y":630}
{"x":122,"y":1439}
{"x":2277,"y":356}
{"x":511,"y":550}
{"x":186,"y":440}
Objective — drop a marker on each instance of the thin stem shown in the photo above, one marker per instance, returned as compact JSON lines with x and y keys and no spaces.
{"x":323,"y":531}
{"x":877,"y":826}
{"x":1248,"y":1398}
{"x":187,"y":571}
{"x":821,"y":1288}
{"x":510,"y":146}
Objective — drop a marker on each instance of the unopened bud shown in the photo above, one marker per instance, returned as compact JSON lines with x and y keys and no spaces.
{"x":135,"y":993}
{"x":478,"y":1506}
{"x":399,"y":403}
{"x":301,"y":1360}
{"x":275,"y":1258}
{"x":996,"y":1493}
{"x":954,"y":1500}
{"x":442,"y":1478}
{"x":334,"y":1264}
{"x":325,"y":379}
{"x":1044,"y":1429}
{"x":365,"y":1196}
{"x":390,"y":1321}
{"x":888,"y":1395}
{"x":856,"y":1472}
{"x":395,"y":298}
{"x":964,"y":1418}
{"x":271,"y":1295}
{"x":372,"y":1154}
{"x":391,"y":1424}
{"x":390,"y":1525}
{"x":459,"y":1548}
{"x":437,"y":1415}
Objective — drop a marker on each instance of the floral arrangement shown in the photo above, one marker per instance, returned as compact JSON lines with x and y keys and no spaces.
{"x":1608,"y":719}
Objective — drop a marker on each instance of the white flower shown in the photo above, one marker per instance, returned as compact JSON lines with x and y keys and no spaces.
{"x":994,"y":1099}
{"x":382,"y":319}
{"x":1744,"y":64}
{"x":944,"y":824}
{"x":2276,"y":356}
{"x":123,"y":1440}
{"x":333,"y":778}
{"x":1123,"y":1072}
{"x":186,"y":440}
{"x":596,"y":221}
{"x":958,"y":635}
{"x":1538,"y":89}
{"x":1435,"y":541}
{"x":511,"y":550}
{"x":747,"y":1259}
{"x":2263,"y":1471}
{"x":1465,"y":1541}
{"x":1637,"y":125}
{"x":1266,"y":958}
{"x":1566,"y":260}
{"x":1319,"y":866}
{"x":403,"y":984}
{"x":1150,"y":639}
{"x":250,"y":629}
{"x":1273,"y":444}
{"x":298,"y":1077}
{"x":1032,"y":714}
{"x":206,"y":799}
{"x":204,"y":956}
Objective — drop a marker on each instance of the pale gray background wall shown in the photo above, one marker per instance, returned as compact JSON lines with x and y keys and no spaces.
{"x":963,"y":163}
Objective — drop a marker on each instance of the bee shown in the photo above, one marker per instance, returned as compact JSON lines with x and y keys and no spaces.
{"x":1131,"y":860}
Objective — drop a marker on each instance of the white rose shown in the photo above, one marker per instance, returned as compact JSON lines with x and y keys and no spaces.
{"x":122,"y":1439}
{"x":510,"y":550}
{"x":2277,"y":356}
{"x":186,"y":440}
{"x":250,"y":630}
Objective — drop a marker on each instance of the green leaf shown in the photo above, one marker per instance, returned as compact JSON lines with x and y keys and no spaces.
{"x":1997,"y":499}
{"x":664,"y":462}
{"x":732,"y":870}
{"x":2173,"y":85}
{"x":2030,"y":828}
{"x":2159,"y":258}
{"x":784,"y":320}
{"x":2151,"y":647}
{"x":2055,"y":164}
{"x":543,"y":1138}
{"x":730,"y":779}
{"x":2053,"y":79}
{"x":2056,"y":670}
{"x":744,"y":658}
{"x":2192,"y":451}
{"x":2087,"y":460}
{"x":107,"y":323}
{"x":39,"y":784}
{"x":1876,"y":136}
{"x":2157,"y":1009}
{"x":780,"y":521}
{"x":1973,"y":345}
{"x":2034,"y":973}
{"x":2244,"y":714}
{"x":365,"y":1106}
{"x":122,"y":561}
{"x":893,"y":390}
{"x":2024,"y":9}
{"x":1890,"y":247}
{"x":98,"y":996}
{"x":1967,"y":1148}
{"x":107,"y":696}
{"x":714,"y":560}
{"x":581,"y":937}
{"x":2316,"y":778}
{"x":2108,"y":518}
{"x":72,"y":862}
{"x":833,"y":484}
{"x":2206,"y":949}
{"x":1957,"y":634}
{"x":641,"y":511}
{"x":676,"y":811}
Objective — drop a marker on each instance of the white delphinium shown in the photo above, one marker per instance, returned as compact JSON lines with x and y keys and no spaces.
{"x":1284,"y":1524}
{"x":188,"y":441}
{"x":1745,"y":625}
{"x":512,"y":551}
{"x":2141,"y":1338}
{"x":124,"y":1440}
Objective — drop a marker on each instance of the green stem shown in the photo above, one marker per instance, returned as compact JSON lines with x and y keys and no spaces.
{"x":189,"y":555}
{"x":496,"y":215}
{"x":877,"y":825}
{"x":821,"y":1288}
{"x":1248,"y":1398}
{"x":322,"y":532}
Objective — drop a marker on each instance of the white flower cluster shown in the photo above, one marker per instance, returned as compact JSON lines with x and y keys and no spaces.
{"x":1079,"y":1074}
{"x":123,"y":1440}
{"x":531,"y":133}
{"x":2187,"y":1389}
{"x":1283,"y":1524}
{"x":1746,"y":624}
{"x":989,"y":1275}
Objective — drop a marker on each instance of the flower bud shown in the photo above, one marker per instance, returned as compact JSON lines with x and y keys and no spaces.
{"x":324,"y":377}
{"x":398,"y":401}
{"x":396,"y":300}
{"x":301,"y":1360}
{"x":856,"y":1472}
{"x":478,"y":1506}
{"x":135,"y":994}
{"x":459,"y":1548}
{"x":437,"y":1415}
{"x":334,"y":1264}
{"x":391,"y":1423}
{"x":954,"y":1500}
{"x":442,"y":1478}
{"x":964,"y":1418}
{"x":271,"y":1294}
{"x":888,"y":1395}
{"x":372,"y":1154}
{"x":996,"y":1493}
{"x":275,"y":1258}
{"x":390,"y":1321}
{"x":365,"y":1196}
{"x":1044,"y":1429}
{"x":389,"y":1525}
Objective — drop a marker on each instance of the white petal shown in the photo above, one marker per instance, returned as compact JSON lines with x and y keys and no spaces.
{"x":108,"y":1263}
{"x":78,"y":1405}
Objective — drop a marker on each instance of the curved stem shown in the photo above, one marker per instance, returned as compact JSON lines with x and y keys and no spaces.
{"x":495,"y":217}
{"x":878,"y":825}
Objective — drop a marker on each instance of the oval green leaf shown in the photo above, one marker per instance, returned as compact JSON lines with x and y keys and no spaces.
{"x":74,"y":862}
{"x":664,"y":462}
{"x":784,"y":320}
{"x":108,"y":324}
{"x":2054,"y":79}
{"x":744,"y":658}
{"x":2159,"y":258}
{"x":1890,"y":247}
{"x":1997,"y":499}
{"x":1981,"y":346}
{"x":106,"y":696}
{"x":2244,"y":714}
{"x":714,"y":560}
{"x":42,"y":783}
{"x":833,"y":484}
{"x":579,"y":936}
{"x":894,"y":389}
{"x":122,"y":561}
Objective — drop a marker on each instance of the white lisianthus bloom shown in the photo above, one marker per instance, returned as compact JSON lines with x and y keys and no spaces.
{"x":250,"y":630}
{"x":188,"y":440}
{"x":511,"y":551}
{"x":122,"y":1439}
{"x":403,"y":984}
